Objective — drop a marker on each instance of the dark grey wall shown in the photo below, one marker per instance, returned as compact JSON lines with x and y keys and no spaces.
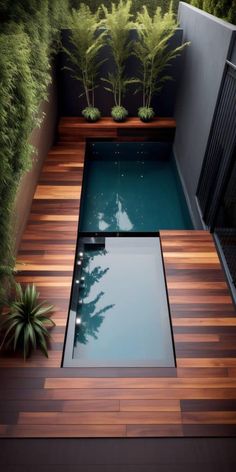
{"x":70,"y":89}
{"x":42,"y":139}
{"x":203,"y":66}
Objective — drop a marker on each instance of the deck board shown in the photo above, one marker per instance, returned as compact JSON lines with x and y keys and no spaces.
{"x":198,"y":398}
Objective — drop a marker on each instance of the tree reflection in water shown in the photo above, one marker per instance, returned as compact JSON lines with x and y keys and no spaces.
{"x":91,"y":320}
{"x":116,"y":217}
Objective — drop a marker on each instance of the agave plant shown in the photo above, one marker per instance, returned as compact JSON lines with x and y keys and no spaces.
{"x":153,"y":52}
{"x":25,"y":324}
{"x":118,"y":25}
{"x":84,"y":56}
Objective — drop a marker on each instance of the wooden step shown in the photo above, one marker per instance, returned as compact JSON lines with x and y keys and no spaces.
{"x":75,"y":129}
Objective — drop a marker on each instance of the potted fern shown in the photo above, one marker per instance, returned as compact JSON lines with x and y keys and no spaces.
{"x":118,"y":24}
{"x":83,"y":57}
{"x":152,"y":51}
{"x":25,"y":324}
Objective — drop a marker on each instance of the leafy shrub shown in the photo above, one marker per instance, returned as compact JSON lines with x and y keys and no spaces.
{"x":25,"y":324}
{"x":225,"y":9}
{"x":91,"y":114}
{"x":119,"y":113}
{"x":146,"y":114}
{"x":136,"y":4}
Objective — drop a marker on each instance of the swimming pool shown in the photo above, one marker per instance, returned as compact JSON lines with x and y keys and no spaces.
{"x":119,"y":313}
{"x":132,"y":187}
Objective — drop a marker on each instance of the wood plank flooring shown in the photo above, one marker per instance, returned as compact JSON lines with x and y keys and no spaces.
{"x":198,"y":398}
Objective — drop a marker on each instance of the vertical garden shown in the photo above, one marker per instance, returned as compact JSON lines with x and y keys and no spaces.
{"x":29,"y":36}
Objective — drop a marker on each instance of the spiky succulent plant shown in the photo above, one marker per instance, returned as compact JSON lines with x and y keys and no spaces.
{"x":25,"y":324}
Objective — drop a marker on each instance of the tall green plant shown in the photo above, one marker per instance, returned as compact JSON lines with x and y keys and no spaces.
{"x":118,"y":25}
{"x":29,"y":31}
{"x":153,"y":51}
{"x":17,"y":107}
{"x":87,"y":43}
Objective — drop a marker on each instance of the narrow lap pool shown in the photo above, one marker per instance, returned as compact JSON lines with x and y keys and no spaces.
{"x":119,"y":313}
{"x":132,"y":187}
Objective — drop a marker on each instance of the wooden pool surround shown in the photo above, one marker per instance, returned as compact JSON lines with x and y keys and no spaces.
{"x":38,"y":398}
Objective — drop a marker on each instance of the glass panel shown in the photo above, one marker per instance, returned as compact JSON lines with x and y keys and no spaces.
{"x":122,"y":317}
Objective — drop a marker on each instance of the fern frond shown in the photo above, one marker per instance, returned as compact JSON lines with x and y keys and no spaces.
{"x":86,"y":43}
{"x":118,"y":23}
{"x":153,"y":51}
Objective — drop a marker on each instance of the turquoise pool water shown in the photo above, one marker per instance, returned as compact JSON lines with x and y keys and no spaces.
{"x":132,"y":187}
{"x":119,"y":313}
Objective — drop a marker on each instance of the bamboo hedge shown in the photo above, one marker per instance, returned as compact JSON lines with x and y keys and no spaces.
{"x":29,"y":34}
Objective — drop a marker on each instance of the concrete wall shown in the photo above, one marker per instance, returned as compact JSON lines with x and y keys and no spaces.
{"x":203,"y":65}
{"x":42,"y":138}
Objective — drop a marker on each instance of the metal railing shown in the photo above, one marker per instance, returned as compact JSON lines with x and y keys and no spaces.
{"x":216,"y":192}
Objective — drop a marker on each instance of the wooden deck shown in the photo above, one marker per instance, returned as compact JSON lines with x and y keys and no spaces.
{"x":38,"y":398}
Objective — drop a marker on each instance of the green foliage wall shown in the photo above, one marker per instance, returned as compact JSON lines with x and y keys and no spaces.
{"x":17,"y":104}
{"x":136,"y":4}
{"x":28,"y":36}
{"x":225,"y":9}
